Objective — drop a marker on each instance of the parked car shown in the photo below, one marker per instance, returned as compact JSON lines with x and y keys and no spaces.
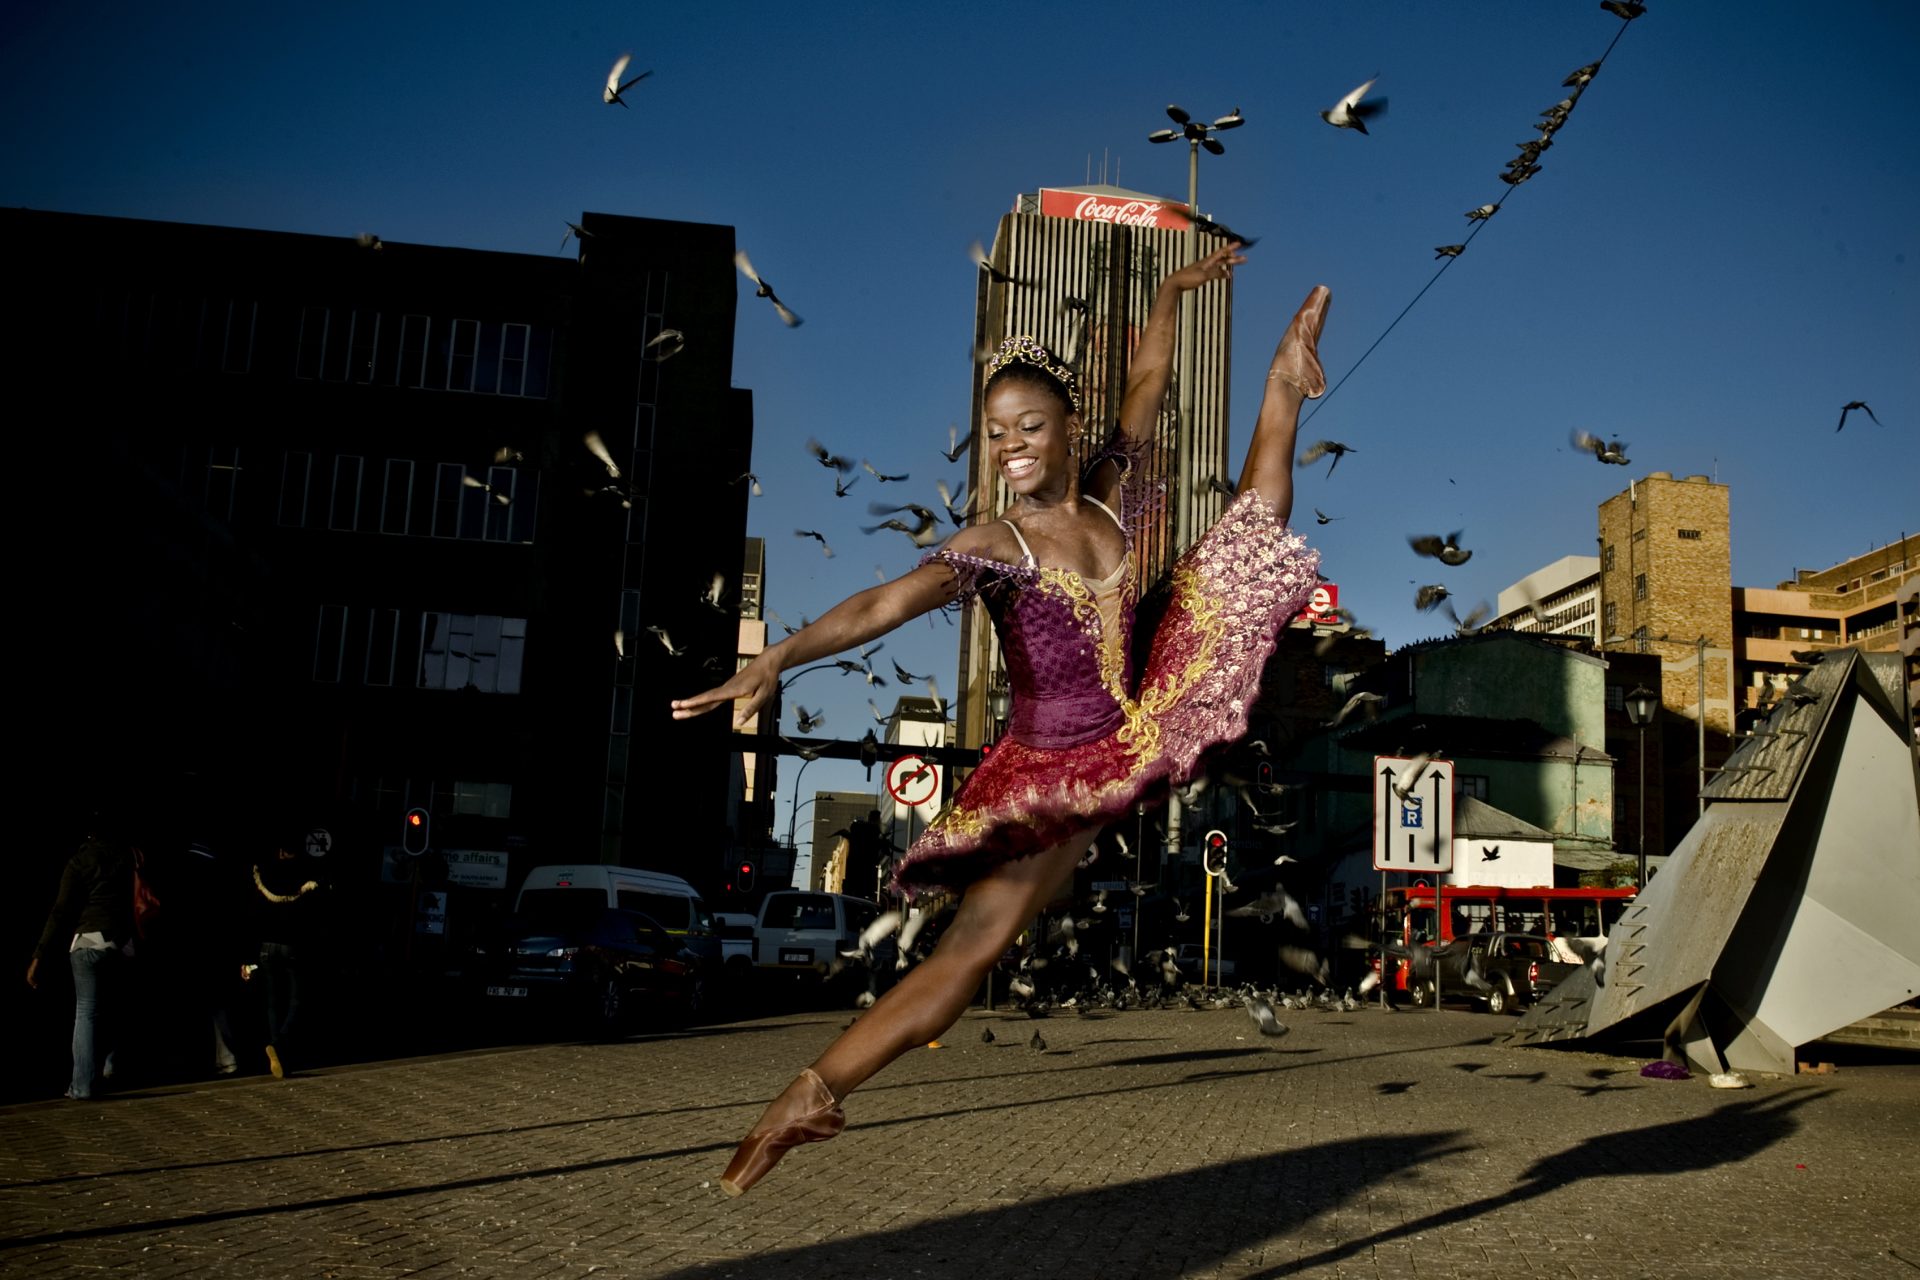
{"x":1513,"y":970}
{"x":735,"y":931}
{"x":669,"y":901}
{"x":601,"y":969}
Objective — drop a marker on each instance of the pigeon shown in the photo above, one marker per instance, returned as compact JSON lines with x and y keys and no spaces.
{"x":620,"y":641}
{"x":1321,"y":517}
{"x":1449,"y":250}
{"x":1445,"y":550}
{"x":1484,"y":212}
{"x":1353,"y":113}
{"x":879,"y":716}
{"x":1037,"y":1043}
{"x":610,"y":94}
{"x":1471,"y":623}
{"x":1303,"y":960}
{"x":1207,"y":225}
{"x":675,"y":341}
{"x":819,"y":537}
{"x":953,"y":502}
{"x":1614,"y":451}
{"x":805,"y":721}
{"x":716,"y":588}
{"x":575,"y":229}
{"x":1490,"y":854}
{"x":751,"y":478}
{"x":919,"y":512}
{"x":1263,"y":1017}
{"x":1180,"y":913}
{"x":475,"y":482}
{"x":956,"y":447}
{"x":883,"y":479}
{"x":905,"y":676}
{"x":833,"y":461}
{"x":923,"y":534}
{"x":1320,"y":449}
{"x":1369,"y":701}
{"x":1427,"y":597}
{"x":883,"y":925}
{"x":910,"y":930}
{"x":667,"y":641}
{"x":598,"y":449}
{"x":1409,"y":776}
{"x":1275,"y":902}
{"x":764,"y":290}
{"x":1625,"y":10}
{"x":1225,"y":488}
{"x":986,"y":1035}
{"x":1850,"y":406}
{"x":841,"y":485}
{"x":1514,"y":177}
{"x":1580,"y":78}
{"x":978,"y":253}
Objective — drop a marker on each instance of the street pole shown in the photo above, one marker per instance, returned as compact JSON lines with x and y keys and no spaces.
{"x":1641,"y":883}
{"x":793,"y":814}
{"x":1700,"y":670}
{"x":1189,"y":309}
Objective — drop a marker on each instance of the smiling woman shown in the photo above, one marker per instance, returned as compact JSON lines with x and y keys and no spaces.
{"x":1085,"y":740}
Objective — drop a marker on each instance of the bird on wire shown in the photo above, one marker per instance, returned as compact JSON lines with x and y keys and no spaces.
{"x":1354,"y":110}
{"x":1849,"y":407}
{"x":1579,"y":79}
{"x":832,"y":461}
{"x":610,"y":93}
{"x":821,"y":538}
{"x":1484,"y":212}
{"x":1449,"y":250}
{"x":761,"y":289}
{"x":1322,"y":448}
{"x":1625,"y":10}
{"x":1446,"y":550}
{"x":978,"y":253}
{"x":1613,"y":451}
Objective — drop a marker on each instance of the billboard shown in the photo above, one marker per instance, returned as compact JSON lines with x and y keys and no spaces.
{"x":1121,"y":211}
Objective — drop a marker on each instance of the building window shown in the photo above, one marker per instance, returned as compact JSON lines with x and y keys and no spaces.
{"x":460,"y":355}
{"x":1616,"y":698}
{"x":330,"y":643}
{"x":237,"y":354}
{"x":513,"y":359}
{"x":1638,"y":534}
{"x":313,"y":342}
{"x":620,"y":723}
{"x":295,"y":472}
{"x":1471,"y":784}
{"x":413,"y":351}
{"x":345,"y":512}
{"x":383,"y":637}
{"x":1613,"y":616}
{"x":449,"y":495}
{"x":1640,"y":644}
{"x":396,"y":499}
{"x":223,"y":477}
{"x":1607,"y":558}
{"x":483,"y":799}
{"x":362,"y":342}
{"x":1639,"y":586}
{"x":471,"y":651}
{"x":1689,"y":535}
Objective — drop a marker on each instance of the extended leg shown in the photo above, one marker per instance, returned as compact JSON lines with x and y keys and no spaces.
{"x":1293,"y":377}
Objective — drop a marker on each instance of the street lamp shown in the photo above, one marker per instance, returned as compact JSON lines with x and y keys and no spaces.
{"x":999,"y":702}
{"x":1197,"y":135}
{"x":1641,"y":704}
{"x":793,"y":814}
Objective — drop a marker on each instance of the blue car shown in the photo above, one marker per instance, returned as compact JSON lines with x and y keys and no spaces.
{"x":603,"y":969}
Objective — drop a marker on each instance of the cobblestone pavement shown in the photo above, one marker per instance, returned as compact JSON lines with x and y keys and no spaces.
{"x":1138,"y":1144}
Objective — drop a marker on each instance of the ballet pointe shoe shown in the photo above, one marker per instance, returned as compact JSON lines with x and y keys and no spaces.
{"x":820,"y":1118}
{"x":1297,"y":362}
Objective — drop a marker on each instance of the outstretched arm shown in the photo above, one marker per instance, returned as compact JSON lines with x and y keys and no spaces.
{"x":1293,"y":377}
{"x":1151,"y":368}
{"x":854,"y":621}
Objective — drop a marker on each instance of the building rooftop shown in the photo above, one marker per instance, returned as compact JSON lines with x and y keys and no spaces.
{"x":1453,"y":736}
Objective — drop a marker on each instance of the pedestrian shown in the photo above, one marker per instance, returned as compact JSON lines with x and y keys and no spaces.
{"x":93,"y":918}
{"x":288,"y":908}
{"x":1085,"y":740}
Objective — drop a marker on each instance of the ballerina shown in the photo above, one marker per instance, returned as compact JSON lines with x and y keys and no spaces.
{"x":1085,"y":739}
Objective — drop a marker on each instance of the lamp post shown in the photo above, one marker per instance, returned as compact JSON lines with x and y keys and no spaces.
{"x":1641,"y":704}
{"x":793,"y":814}
{"x":1197,"y":135}
{"x":999,"y":703}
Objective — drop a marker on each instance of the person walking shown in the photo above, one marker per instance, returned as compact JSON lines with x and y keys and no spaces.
{"x":289,"y":902}
{"x":1086,"y":739}
{"x":93,"y":918}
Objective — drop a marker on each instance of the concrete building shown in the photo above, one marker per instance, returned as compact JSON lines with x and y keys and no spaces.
{"x":834,"y":813}
{"x":1561,"y":599}
{"x":1853,"y":604}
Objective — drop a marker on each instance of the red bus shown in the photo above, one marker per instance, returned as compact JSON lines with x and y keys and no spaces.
{"x":1582,"y":913}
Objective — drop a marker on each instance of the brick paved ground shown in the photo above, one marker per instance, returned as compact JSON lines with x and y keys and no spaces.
{"x":1139,"y":1144}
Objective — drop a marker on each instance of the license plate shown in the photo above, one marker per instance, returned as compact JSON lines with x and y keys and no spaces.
{"x":506,"y":991}
{"x":796,"y":957}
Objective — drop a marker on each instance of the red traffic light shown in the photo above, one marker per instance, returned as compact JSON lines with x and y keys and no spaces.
{"x":415,"y":818}
{"x":1216,"y":841}
{"x":746,"y":869}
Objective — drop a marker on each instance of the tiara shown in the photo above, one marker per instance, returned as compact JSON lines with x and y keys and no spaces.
{"x":1026,"y":349}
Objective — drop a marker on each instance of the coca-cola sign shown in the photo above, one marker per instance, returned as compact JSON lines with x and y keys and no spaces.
{"x":1121,"y":211}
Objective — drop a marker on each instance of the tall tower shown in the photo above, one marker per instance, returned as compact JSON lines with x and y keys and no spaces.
{"x":1666,"y":573}
{"x":1087,"y":262}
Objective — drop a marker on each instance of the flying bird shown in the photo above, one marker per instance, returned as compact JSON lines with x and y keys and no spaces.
{"x":1321,"y":448}
{"x":761,"y":289}
{"x":1446,"y":550}
{"x":1203,"y":223}
{"x":1225,"y":488}
{"x":1484,"y":212}
{"x":919,"y":512}
{"x":475,"y":482}
{"x":1321,"y":517}
{"x":817,"y":536}
{"x":956,"y":447}
{"x":1490,"y":854}
{"x":675,"y":341}
{"x":905,"y":676}
{"x":715,"y":589}
{"x":1430,"y":595}
{"x":978,"y":253}
{"x":1471,"y":623}
{"x":841,"y":485}
{"x":748,"y":475}
{"x":953,"y":503}
{"x":1370,"y":702}
{"x":610,"y":94}
{"x":1263,"y":1017}
{"x":667,"y":641}
{"x":1449,"y":250}
{"x":1849,"y":407}
{"x":598,"y":448}
{"x":1614,"y":451}
{"x":805,"y":721}
{"x":575,"y":229}
{"x":1409,"y":776}
{"x":924,"y":534}
{"x":1275,"y":902}
{"x":832,"y":461}
{"x":883,"y":479}
{"x":1353,"y":113}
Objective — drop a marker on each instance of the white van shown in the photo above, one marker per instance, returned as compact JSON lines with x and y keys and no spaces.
{"x":672,"y":903}
{"x":799,"y":929}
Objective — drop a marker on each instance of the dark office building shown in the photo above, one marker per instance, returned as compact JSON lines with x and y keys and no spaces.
{"x":319,"y":530}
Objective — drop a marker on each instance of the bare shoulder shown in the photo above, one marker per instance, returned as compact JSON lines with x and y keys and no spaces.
{"x":990,"y":541}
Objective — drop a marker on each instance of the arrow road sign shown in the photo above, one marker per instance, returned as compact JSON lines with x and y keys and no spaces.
{"x":1412,"y":831}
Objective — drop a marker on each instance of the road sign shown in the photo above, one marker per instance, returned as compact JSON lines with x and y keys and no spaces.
{"x":1412,"y":815}
{"x":913,"y":781}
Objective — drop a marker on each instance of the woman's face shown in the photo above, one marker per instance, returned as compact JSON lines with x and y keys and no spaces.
{"x":1028,"y":433}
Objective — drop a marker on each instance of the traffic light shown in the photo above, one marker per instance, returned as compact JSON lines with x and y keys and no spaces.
{"x":744,"y":875}
{"x":869,"y":751}
{"x":1214,"y":856}
{"x":1263,"y":773}
{"x":416,"y":832}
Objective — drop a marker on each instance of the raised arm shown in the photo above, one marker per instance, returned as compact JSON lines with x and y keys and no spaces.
{"x":1151,"y":368}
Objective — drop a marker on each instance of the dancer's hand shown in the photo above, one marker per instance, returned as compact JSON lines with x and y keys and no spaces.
{"x":1217,"y":265}
{"x":753,"y":686}
{"x":33,"y":972}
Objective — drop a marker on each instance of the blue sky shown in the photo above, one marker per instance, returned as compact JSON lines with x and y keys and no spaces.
{"x":1719,"y":252}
